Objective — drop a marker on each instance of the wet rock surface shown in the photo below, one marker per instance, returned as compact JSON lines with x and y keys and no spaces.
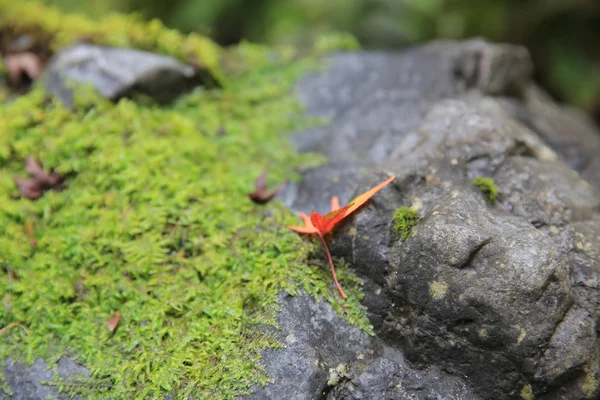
{"x":504,"y":295}
{"x":117,"y":73}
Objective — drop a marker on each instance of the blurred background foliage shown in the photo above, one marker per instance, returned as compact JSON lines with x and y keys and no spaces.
{"x":563,"y":36}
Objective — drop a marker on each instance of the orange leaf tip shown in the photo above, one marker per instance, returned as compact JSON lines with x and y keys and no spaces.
{"x":363,"y":198}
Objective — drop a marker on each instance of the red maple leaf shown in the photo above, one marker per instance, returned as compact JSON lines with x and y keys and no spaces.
{"x":323,"y":224}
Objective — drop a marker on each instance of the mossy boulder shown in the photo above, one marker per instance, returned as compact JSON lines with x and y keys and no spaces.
{"x":219,"y":300}
{"x":506,"y":296}
{"x":154,"y":221}
{"x":48,"y":30}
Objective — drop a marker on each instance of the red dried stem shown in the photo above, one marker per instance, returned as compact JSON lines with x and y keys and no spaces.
{"x":332,"y":268}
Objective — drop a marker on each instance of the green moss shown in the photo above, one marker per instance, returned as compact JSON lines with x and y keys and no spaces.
{"x":339,"y":42}
{"x":527,"y":392}
{"x":405,"y":218}
{"x":589,"y":384}
{"x":155,"y":223}
{"x":487,"y":187}
{"x":438,"y":290}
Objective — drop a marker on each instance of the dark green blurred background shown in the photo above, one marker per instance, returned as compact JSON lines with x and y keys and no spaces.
{"x":562,"y":35}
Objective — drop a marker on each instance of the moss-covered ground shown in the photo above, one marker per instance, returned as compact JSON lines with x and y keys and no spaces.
{"x":155,"y":221}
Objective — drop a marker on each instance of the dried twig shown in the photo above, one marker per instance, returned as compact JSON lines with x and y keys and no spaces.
{"x":8,"y":327}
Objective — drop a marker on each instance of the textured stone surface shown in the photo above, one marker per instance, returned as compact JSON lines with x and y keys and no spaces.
{"x":324,"y":358}
{"x":566,"y":130}
{"x":315,"y":338}
{"x":117,"y":73}
{"x":505,"y":295}
{"x":384,"y":378}
{"x":488,"y":291}
{"x":28,"y":382}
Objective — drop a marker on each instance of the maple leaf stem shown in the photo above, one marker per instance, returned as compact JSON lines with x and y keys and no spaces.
{"x":332,"y":268}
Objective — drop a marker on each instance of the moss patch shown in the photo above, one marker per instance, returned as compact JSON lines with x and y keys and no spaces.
{"x":405,"y":218}
{"x":527,"y":392}
{"x":487,"y":187}
{"x":155,"y":223}
{"x":589,"y":384}
{"x":522,"y":335}
{"x":438,"y":290}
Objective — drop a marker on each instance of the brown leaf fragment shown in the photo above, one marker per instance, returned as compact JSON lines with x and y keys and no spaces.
{"x":113,"y":321}
{"x":29,"y":188}
{"x":260,"y":194}
{"x":19,"y":64}
{"x":39,"y":182}
{"x":36,"y":171}
{"x":30,"y":233}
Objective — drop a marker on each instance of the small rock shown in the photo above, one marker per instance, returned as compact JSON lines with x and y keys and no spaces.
{"x":117,"y":73}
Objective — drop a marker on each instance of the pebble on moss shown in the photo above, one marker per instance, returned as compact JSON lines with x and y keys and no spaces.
{"x":487,"y":187}
{"x":405,"y":218}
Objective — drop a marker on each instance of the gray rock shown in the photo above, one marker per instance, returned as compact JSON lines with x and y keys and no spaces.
{"x":375,"y":99}
{"x":488,"y":291}
{"x":31,"y":382}
{"x":117,"y":73}
{"x":505,"y":295}
{"x":384,"y":378}
{"x":323,"y":357}
{"x":311,"y":334}
{"x":564,"y":129}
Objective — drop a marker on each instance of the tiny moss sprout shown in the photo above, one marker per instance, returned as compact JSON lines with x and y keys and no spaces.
{"x":405,"y":218}
{"x":487,"y":187}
